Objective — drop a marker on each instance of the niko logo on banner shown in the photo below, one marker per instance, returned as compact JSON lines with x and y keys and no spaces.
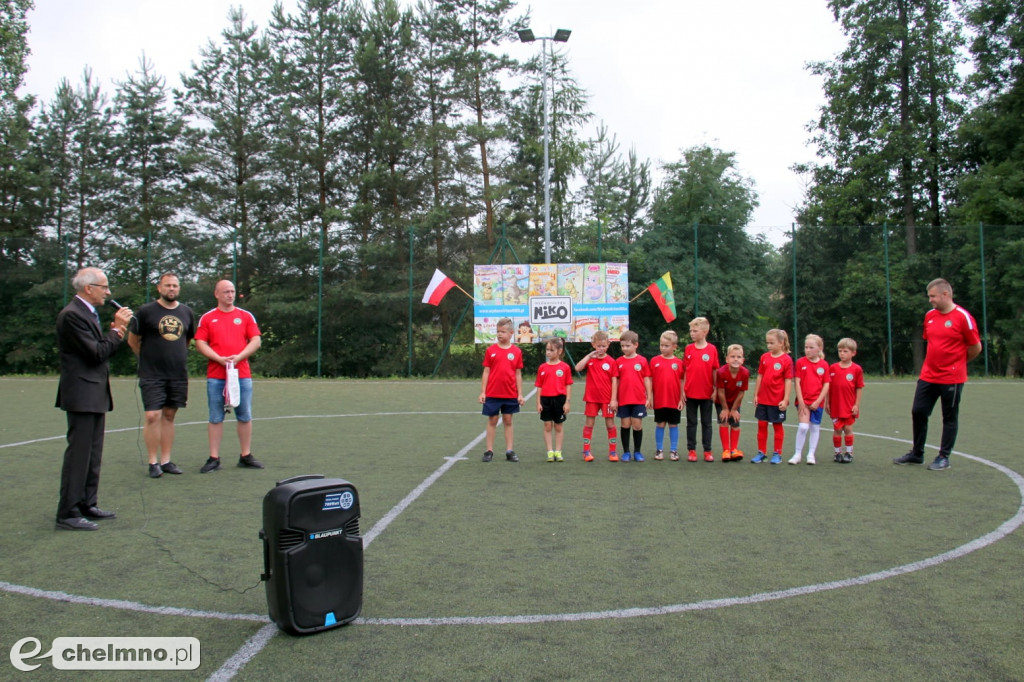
{"x":550,"y":310}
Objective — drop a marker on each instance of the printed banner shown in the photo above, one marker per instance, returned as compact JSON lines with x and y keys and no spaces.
{"x":570,"y":300}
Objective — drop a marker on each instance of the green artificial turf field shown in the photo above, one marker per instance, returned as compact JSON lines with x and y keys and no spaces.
{"x":500,"y":571}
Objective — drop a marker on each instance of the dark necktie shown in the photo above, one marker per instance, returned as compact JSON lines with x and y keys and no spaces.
{"x":96,"y":314}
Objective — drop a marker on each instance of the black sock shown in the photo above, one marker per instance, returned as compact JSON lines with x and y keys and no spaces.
{"x":638,"y":437}
{"x":624,"y":438}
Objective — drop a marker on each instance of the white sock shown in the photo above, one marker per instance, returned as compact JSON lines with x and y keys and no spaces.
{"x":815,"y":432}
{"x":801,"y":436}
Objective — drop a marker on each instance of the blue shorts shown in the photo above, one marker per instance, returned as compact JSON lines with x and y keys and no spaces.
{"x":492,"y":406}
{"x":816,"y":415}
{"x":631,"y":412}
{"x":215,"y":398}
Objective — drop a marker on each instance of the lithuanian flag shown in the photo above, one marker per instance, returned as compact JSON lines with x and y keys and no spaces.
{"x":661,"y":291}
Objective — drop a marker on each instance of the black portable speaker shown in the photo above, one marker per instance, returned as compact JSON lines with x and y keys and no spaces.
{"x":312,"y":553}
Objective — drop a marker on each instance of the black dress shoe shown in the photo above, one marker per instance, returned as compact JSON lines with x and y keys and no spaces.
{"x":97,"y":513}
{"x":76,"y":523}
{"x":170,"y":468}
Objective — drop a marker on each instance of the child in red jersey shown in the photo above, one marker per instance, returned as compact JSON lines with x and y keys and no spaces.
{"x":772,"y":393}
{"x":732,"y":380}
{"x":554,"y":384}
{"x":812,"y":383}
{"x":635,"y":395}
{"x":700,"y":362}
{"x":667,"y":386}
{"x":501,"y":388}
{"x":844,"y":399}
{"x":601,"y":393}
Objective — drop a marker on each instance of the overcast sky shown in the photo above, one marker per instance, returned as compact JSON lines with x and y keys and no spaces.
{"x":663,"y":75}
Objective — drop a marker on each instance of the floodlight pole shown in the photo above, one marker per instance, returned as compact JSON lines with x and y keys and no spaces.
{"x":561,"y":36}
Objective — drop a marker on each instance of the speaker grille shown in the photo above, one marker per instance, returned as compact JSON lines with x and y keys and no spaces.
{"x":352,"y":527}
{"x":290,"y":538}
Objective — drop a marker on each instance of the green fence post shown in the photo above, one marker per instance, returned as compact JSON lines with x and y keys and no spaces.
{"x":888,"y":293}
{"x":796,"y":335}
{"x":696,"y":280}
{"x":984,"y":300}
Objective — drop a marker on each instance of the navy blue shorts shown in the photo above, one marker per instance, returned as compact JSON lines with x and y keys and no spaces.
{"x":631,"y":412}
{"x":769,"y":413}
{"x":493,"y":406}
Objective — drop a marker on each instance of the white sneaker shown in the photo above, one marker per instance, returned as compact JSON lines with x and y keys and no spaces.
{"x":810,"y":459}
{"x":795,"y":459}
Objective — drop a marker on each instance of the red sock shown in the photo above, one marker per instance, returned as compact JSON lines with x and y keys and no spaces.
{"x":837,"y":441}
{"x":780,"y":437}
{"x":723,"y":433}
{"x":849,"y":443}
{"x":611,"y":439}
{"x":734,"y":438}
{"x":588,"y":433}
{"x":762,"y":436}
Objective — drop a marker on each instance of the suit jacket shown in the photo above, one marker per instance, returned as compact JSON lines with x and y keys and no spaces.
{"x":84,"y":353}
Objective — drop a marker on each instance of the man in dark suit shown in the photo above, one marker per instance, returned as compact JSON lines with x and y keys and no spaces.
{"x":84,"y":394}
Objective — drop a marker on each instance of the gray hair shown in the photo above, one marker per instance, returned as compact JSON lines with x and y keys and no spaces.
{"x":85,"y":277}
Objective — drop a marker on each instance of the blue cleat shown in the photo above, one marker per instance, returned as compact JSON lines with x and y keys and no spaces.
{"x":776,"y":458}
{"x":758,"y":458}
{"x":625,"y":457}
{"x":638,"y":456}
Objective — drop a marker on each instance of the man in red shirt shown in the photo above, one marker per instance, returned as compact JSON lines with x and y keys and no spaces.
{"x":953,"y":341}
{"x":228,"y":334}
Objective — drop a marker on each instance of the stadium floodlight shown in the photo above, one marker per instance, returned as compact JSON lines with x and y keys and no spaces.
{"x":561,"y":35}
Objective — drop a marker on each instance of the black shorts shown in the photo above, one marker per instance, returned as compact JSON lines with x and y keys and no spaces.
{"x":733,"y":422}
{"x":769,"y":413}
{"x":552,"y":408}
{"x":160,"y":393}
{"x":669,"y":415}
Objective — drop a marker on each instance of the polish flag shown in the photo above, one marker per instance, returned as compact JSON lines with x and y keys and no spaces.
{"x":440,"y":284}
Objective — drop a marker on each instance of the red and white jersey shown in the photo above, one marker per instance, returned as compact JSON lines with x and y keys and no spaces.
{"x":812,"y":377}
{"x":503,"y":362}
{"x":227,"y":334}
{"x":666,"y":380}
{"x":773,"y":372}
{"x":842,"y":391}
{"x":733,"y":385}
{"x":599,"y":379}
{"x":632,"y":372}
{"x":552,"y":378}
{"x":948,"y":336}
{"x":699,"y":366}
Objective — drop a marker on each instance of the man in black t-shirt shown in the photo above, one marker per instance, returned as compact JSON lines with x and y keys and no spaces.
{"x":159,"y":334}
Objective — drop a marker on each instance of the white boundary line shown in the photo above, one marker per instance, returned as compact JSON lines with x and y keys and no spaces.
{"x":259,"y":640}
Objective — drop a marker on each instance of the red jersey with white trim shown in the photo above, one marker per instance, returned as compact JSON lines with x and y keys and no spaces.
{"x":773,"y":372}
{"x":842,"y":391}
{"x":552,"y":378}
{"x":666,"y":381}
{"x":812,"y":377}
{"x":599,"y":379}
{"x":632,"y":371}
{"x":734,"y":385}
{"x":227,"y":334}
{"x":699,"y":367}
{"x":503,"y":362}
{"x":948,"y":336}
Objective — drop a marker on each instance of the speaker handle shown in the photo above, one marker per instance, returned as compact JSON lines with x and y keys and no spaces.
{"x":304,"y":477}
{"x":265,"y":575}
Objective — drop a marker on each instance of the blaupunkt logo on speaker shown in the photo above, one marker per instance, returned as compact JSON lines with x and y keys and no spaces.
{"x":109,"y":653}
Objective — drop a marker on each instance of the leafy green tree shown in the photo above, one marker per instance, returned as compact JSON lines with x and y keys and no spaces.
{"x":704,"y":203}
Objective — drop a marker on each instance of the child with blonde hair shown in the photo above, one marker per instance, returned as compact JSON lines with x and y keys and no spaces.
{"x":844,"y":399}
{"x":667,"y":385}
{"x":732,"y":380}
{"x":812,"y":384}
{"x":772,"y":393}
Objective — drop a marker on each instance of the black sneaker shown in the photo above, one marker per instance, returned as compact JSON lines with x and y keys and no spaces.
{"x":488,"y":456}
{"x":838,"y":458}
{"x":940,"y":464}
{"x":909,"y":458}
{"x":847,"y":458}
{"x":249,"y":461}
{"x":170,"y":468}
{"x":212,"y":464}
{"x":511,"y":456}
{"x":155,"y":471}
